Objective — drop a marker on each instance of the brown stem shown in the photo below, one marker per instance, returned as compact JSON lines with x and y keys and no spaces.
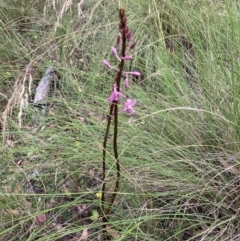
{"x":113,"y":111}
{"x":105,"y":218}
{"x":117,"y":161}
{"x":104,"y":159}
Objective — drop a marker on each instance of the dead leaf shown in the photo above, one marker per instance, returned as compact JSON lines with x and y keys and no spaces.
{"x":81,"y":119}
{"x":66,"y":190}
{"x":81,"y":237}
{"x":9,"y":143}
{"x":228,"y":167}
{"x":14,"y":211}
{"x":41,"y":218}
{"x":113,"y":232}
{"x":84,"y":236}
{"x":82,"y":208}
{"x":19,"y":188}
{"x":91,"y":173}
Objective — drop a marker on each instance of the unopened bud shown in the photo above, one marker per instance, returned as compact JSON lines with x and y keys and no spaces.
{"x":132,"y":46}
{"x":114,"y":51}
{"x":118,"y":39}
{"x":106,"y":63}
{"x":129,"y":36}
{"x":135,"y":73}
{"x":127,"y":57}
{"x":126,"y":83}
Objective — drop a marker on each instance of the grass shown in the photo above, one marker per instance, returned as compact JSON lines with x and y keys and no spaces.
{"x":179,"y":154}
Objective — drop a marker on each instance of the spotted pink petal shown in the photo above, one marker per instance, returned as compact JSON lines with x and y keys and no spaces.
{"x":128,"y":106}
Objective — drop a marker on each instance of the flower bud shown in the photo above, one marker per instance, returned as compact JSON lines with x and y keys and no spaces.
{"x":127,"y":57}
{"x":135,"y":73}
{"x":118,"y":39}
{"x":126,"y":83}
{"x":114,"y":51}
{"x":129,"y":36}
{"x":106,"y":63}
{"x":132,"y":46}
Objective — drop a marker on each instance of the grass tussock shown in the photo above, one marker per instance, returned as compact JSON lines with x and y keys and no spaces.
{"x":179,"y":153}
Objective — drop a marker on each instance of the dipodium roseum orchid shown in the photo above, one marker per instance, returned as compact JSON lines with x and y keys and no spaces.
{"x":128,"y":106}
{"x":115,"y":95}
{"x":121,"y":52}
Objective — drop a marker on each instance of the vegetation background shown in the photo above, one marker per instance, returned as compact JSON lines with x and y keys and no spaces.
{"x":179,"y":153}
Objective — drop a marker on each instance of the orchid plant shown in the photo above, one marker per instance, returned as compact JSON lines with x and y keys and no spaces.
{"x":124,"y":45}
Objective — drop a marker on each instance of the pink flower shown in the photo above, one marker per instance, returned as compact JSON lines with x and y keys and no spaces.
{"x":126,"y":83}
{"x":128,"y":106}
{"x":115,"y":95}
{"x":106,"y":63}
